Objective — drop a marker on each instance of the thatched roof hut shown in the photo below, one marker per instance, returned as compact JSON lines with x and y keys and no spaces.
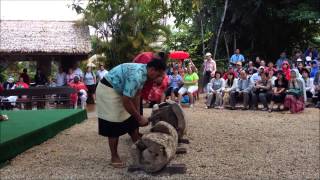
{"x":44,"y":37}
{"x":44,"y":41}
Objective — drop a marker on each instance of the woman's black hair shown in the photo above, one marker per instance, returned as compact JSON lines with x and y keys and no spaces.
{"x":265,"y":73}
{"x":158,"y":65}
{"x":305,"y":70}
{"x":283,"y":77}
{"x":228,"y":80}
{"x":217,"y":72}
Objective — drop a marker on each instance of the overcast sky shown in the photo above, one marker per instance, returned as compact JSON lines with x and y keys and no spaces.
{"x":37,"y":10}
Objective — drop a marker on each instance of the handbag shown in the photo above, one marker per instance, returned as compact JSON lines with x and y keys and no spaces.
{"x":294,"y":92}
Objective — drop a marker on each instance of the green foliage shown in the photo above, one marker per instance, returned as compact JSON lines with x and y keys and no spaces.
{"x":124,"y":27}
{"x":261,"y":27}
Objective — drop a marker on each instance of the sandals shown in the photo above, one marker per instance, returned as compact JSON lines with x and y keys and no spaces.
{"x":118,"y":164}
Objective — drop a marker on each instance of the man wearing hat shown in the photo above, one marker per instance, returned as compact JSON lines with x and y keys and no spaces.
{"x":308,"y":62}
{"x":238,"y":68}
{"x":209,"y":67}
{"x":9,"y":84}
{"x":236,"y":57}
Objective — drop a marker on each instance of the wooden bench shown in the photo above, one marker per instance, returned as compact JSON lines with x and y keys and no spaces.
{"x":40,"y":95}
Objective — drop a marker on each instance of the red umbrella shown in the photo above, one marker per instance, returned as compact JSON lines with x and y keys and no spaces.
{"x":143,"y":58}
{"x":179,"y":55}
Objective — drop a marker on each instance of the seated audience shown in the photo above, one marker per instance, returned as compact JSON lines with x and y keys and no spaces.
{"x":70,"y":76}
{"x":257,"y":62}
{"x":308,"y":62}
{"x":175,"y":82}
{"x":242,"y":90}
{"x":77,"y":71}
{"x":9,"y":84}
{"x":251,"y":69}
{"x":214,"y":91}
{"x":21,"y":84}
{"x":263,"y":63}
{"x":230,"y":70}
{"x":81,"y":89}
{"x":61,"y":78}
{"x":257,"y":76}
{"x":260,"y":91}
{"x":270,"y":67}
{"x":25,"y":76}
{"x":314,"y":68}
{"x":300,"y":66}
{"x":52,"y":82}
{"x":316,"y":83}
{"x":283,"y":57}
{"x":272,"y":78}
{"x":230,"y":85}
{"x":238,"y":68}
{"x":190,"y":85}
{"x":286,"y":69}
{"x":294,"y":99}
{"x":308,"y":83}
{"x":279,"y":90}
{"x":40,"y":78}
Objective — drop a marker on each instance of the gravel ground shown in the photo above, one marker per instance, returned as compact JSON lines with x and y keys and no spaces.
{"x":224,"y":144}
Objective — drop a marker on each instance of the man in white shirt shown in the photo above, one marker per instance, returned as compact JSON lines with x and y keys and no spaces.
{"x":61,"y":78}
{"x":78,"y":72}
{"x":256,"y":76}
{"x":101,"y":72}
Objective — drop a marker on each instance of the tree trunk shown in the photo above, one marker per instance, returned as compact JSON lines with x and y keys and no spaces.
{"x":155,"y":149}
{"x":202,"y":36}
{"x":220,"y":27}
{"x":226,"y":44}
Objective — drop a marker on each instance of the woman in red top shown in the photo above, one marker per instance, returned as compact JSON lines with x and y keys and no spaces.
{"x":286,"y":69}
{"x":21,"y":84}
{"x":81,"y":93}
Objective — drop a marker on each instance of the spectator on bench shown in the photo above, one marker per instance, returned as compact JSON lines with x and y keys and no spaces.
{"x":215,"y":88}
{"x":316,"y":83}
{"x":190,"y":86}
{"x":308,"y":82}
{"x":230,"y":85}
{"x":175,"y":82}
{"x":260,"y":91}
{"x":81,"y":93}
{"x":243,"y":90}
{"x":294,"y":99}
{"x":9,"y":84}
{"x":279,"y":90}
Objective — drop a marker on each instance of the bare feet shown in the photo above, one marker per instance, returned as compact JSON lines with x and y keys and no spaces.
{"x":117,"y":163}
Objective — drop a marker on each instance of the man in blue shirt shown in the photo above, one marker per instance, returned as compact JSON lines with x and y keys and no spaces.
{"x":118,"y":95}
{"x":175,"y":82}
{"x":283,"y":57}
{"x":237,"y":57}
